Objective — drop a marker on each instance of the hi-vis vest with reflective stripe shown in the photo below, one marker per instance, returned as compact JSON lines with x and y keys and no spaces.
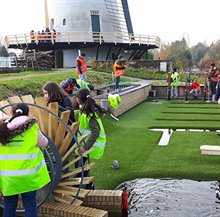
{"x":22,"y":165}
{"x":99,"y":145}
{"x":83,"y":65}
{"x":114,"y":100}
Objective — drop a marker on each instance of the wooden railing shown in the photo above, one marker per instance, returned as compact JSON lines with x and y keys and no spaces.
{"x":85,"y":37}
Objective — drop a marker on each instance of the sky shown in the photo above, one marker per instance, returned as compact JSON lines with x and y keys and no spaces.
{"x":170,"y":20}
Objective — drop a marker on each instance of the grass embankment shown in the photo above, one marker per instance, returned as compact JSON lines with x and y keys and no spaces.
{"x":152,"y":75}
{"x":23,"y":84}
{"x":136,"y":147}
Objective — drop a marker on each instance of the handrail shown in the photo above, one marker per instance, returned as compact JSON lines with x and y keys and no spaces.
{"x":85,"y":37}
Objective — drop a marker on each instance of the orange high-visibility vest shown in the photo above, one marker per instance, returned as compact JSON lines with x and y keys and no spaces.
{"x":83,"y":65}
{"x":118,"y":72}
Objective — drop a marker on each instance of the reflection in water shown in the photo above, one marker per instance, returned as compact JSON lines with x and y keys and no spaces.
{"x":172,"y":198}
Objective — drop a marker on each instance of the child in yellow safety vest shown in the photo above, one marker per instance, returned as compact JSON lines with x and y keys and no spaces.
{"x":89,"y":117}
{"x":22,"y":169}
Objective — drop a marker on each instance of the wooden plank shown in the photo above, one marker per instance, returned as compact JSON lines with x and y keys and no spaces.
{"x":61,"y":130}
{"x":72,"y":149}
{"x":68,"y":138}
{"x":69,"y":152}
{"x":210,"y":150}
{"x":53,"y":121}
{"x":14,"y":99}
{"x":3,"y":116}
{"x":7,"y":110}
{"x":76,"y":159}
{"x":62,"y":198}
{"x":78,"y":170}
{"x":32,"y":109}
{"x":76,"y":181}
{"x":71,"y":191}
{"x":42,"y":114}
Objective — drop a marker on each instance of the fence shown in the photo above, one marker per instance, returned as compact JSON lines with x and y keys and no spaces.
{"x":70,"y":37}
{"x":7,"y":62}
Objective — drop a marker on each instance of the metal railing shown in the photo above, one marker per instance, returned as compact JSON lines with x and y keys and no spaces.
{"x":85,"y":37}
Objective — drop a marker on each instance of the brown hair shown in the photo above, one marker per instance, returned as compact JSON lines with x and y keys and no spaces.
{"x":55,"y":92}
{"x":90,"y":104}
{"x":4,"y":132}
{"x":17,"y":109}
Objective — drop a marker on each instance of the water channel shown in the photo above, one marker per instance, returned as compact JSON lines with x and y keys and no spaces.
{"x":172,"y":198}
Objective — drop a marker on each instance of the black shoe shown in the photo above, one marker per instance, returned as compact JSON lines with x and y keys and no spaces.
{"x":90,"y":186}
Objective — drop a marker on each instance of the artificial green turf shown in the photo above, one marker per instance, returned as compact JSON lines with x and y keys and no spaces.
{"x":135,"y":146}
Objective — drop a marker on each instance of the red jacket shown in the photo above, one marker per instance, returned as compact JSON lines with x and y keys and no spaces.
{"x":195,"y":85}
{"x":213,"y":74}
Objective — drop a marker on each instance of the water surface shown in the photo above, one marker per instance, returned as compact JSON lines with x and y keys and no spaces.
{"x":172,"y":198}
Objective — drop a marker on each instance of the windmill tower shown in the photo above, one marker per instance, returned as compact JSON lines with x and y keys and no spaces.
{"x":89,"y":16}
{"x":100,"y":28}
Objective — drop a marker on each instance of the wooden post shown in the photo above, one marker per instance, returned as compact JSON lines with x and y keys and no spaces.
{"x":205,"y":86}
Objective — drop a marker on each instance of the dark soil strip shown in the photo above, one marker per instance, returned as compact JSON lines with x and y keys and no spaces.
{"x":176,"y":119}
{"x":181,"y":112}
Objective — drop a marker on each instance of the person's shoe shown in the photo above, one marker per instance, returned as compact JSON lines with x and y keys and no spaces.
{"x":90,"y":186}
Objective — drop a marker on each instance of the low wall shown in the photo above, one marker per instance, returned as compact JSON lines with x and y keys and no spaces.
{"x":130,"y":97}
{"x":161,"y":91}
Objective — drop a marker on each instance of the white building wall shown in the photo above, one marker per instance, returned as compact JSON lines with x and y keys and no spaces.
{"x":77,"y":15}
{"x":69,"y":56}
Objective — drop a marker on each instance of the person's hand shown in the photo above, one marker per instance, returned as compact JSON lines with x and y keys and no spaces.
{"x":82,"y":149}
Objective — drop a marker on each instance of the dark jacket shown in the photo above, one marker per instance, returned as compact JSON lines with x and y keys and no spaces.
{"x":65,"y":105}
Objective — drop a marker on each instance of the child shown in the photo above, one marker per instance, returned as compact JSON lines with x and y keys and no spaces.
{"x":119,"y":68}
{"x":72,"y":84}
{"x":175,"y":79}
{"x":54,"y":93}
{"x":195,"y":89}
{"x":22,"y":169}
{"x":90,"y":123}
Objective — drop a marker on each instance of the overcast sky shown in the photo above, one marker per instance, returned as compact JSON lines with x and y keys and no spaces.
{"x":196,"y":20}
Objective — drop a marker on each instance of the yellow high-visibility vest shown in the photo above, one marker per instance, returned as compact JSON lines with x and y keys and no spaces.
{"x":99,"y":145}
{"x":22,"y":165}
